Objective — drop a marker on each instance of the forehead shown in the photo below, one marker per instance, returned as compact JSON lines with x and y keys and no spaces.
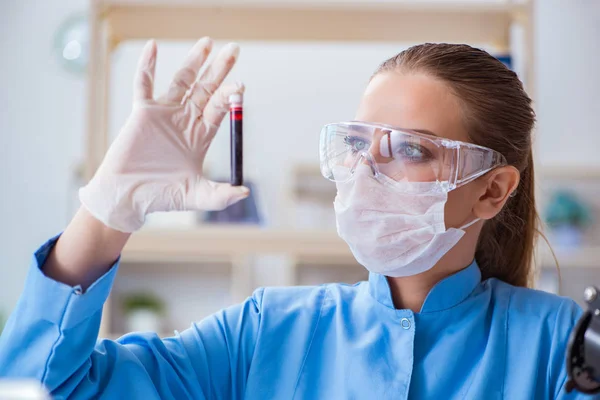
{"x":412,"y":101}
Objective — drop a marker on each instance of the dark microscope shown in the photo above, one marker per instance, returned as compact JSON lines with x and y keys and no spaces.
{"x":583,"y":349}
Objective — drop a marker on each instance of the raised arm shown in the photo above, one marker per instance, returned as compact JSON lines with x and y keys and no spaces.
{"x":154,"y":164}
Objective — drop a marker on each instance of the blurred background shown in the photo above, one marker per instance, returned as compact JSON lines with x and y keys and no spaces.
{"x":65,"y":90}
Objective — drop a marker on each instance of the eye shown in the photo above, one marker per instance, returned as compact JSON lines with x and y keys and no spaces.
{"x":413,"y":152}
{"x":356,"y":144}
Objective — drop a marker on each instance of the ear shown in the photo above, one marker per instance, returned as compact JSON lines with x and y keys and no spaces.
{"x":497,"y":186}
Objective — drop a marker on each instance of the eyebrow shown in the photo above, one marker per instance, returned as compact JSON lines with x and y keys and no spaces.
{"x":366,"y":130}
{"x":425,"y":131}
{"x":361,"y":129}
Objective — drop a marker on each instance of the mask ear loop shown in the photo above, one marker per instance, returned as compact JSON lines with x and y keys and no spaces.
{"x":465,"y":226}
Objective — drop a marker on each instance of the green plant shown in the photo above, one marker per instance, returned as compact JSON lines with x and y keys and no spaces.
{"x":565,"y":209}
{"x":142,"y":301}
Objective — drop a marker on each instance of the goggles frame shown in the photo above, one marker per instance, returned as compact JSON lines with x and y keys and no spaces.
{"x":481,"y":159}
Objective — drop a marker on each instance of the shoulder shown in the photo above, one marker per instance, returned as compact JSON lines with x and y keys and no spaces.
{"x":295,"y":299}
{"x":535,"y":304}
{"x":302,"y":305}
{"x":540,"y":323}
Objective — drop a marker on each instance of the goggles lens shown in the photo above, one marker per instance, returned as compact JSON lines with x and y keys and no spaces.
{"x":402,"y":156}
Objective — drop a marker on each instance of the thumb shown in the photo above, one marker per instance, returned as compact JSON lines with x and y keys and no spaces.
{"x":143,"y":86}
{"x":210,"y":195}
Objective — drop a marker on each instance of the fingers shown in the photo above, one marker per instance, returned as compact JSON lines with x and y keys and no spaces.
{"x":208,"y":195}
{"x":185,"y":77}
{"x":218,"y":105}
{"x":143,"y":86}
{"x":213,"y":76}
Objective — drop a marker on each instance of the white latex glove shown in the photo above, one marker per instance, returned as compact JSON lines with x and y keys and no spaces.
{"x":155,"y":163}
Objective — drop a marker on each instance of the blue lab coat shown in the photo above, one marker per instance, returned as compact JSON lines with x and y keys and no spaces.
{"x":472,"y":339}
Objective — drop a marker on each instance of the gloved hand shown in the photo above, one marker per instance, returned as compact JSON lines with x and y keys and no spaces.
{"x":155,"y":163}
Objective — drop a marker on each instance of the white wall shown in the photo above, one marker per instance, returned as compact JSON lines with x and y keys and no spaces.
{"x":42,"y":110}
{"x":41,"y":123}
{"x":568,"y":81}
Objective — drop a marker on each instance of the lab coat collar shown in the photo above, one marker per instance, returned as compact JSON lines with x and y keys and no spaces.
{"x":447,"y":293}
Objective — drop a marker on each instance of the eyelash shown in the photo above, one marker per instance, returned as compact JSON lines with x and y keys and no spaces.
{"x":351,"y":140}
{"x":426,"y":154}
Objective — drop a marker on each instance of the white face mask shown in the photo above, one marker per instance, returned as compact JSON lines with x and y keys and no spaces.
{"x":393,"y":228}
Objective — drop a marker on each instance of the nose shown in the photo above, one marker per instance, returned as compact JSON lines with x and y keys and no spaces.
{"x":367,"y":159}
{"x":375,"y":154}
{"x":380,"y":157}
{"x":380,"y":149}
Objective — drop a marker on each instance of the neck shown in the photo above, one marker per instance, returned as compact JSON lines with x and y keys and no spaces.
{"x":410,"y":292}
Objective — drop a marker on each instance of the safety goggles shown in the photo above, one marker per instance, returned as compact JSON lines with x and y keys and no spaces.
{"x":403,"y":155}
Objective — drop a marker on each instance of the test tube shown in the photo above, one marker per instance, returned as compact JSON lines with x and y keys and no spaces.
{"x":235,"y":129}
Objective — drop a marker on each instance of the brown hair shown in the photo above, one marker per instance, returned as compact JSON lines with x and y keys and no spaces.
{"x":498,"y":115}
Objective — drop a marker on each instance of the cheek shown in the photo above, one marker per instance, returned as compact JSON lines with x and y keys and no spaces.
{"x":459,"y":206}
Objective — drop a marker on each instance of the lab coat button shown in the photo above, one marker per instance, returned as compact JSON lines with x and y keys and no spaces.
{"x":405,"y":323}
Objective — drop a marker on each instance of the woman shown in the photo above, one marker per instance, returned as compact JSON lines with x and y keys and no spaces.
{"x":440,"y":209}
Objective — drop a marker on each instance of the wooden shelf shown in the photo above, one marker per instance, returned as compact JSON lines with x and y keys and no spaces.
{"x":569,"y":172}
{"x":201,"y":244}
{"x":455,"y":5}
{"x":585,"y":257}
{"x":406,"y":21}
{"x":206,"y":244}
